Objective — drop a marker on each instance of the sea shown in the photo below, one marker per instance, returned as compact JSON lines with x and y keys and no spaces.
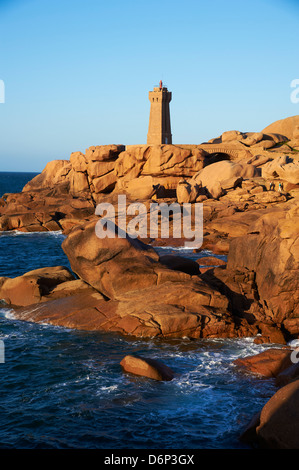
{"x":65,"y":389}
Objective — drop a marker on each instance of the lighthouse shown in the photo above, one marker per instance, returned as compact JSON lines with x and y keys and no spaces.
{"x":159,"y":129}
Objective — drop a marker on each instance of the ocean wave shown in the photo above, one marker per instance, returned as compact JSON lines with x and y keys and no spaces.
{"x":8,"y":313}
{"x":179,"y":248}
{"x":15,"y":233}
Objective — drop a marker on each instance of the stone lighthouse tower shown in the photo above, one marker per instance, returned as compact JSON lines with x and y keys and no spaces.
{"x":159,"y":131}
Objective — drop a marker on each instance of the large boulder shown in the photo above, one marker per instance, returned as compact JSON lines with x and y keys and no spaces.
{"x":118,"y":266}
{"x":285,"y":127}
{"x":240,"y":288}
{"x":78,"y":183}
{"x":282,"y":167}
{"x":238,"y":141}
{"x":146,"y":367}
{"x":224,"y":174}
{"x":33,"y":286}
{"x":100,"y":167}
{"x":169,"y":310}
{"x":64,"y":193}
{"x":103,"y":153}
{"x":188,"y":191}
{"x":143,"y":187}
{"x":78,"y":162}
{"x":278,"y":425}
{"x":111,"y":265}
{"x":229,"y":136}
{"x":269,"y":363}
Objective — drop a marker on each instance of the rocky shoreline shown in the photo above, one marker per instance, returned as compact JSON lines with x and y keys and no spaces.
{"x":123,"y":285}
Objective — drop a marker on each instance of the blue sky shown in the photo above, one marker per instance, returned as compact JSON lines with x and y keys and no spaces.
{"x":78,"y":73}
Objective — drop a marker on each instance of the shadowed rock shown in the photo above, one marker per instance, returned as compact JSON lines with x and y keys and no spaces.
{"x":277,"y":425}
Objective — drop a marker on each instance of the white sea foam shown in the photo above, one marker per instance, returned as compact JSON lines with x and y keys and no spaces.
{"x":14,"y":233}
{"x":110,"y":388}
{"x":8,"y":313}
{"x":181,"y":248}
{"x":214,"y":358}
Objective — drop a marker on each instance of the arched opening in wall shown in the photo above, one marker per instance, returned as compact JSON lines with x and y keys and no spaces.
{"x":217,"y":157}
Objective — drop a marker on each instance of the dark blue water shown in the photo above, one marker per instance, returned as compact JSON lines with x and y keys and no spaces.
{"x":13,"y":182}
{"x":65,"y":389}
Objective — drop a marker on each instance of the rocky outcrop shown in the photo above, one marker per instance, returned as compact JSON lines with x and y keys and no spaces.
{"x":240,"y":288}
{"x":159,"y":166}
{"x":114,"y":265}
{"x":35,"y":286}
{"x":146,"y":367}
{"x":281,"y":363}
{"x":269,"y":363}
{"x":273,"y":240}
{"x":64,"y":194}
{"x":82,"y":175}
{"x":261,"y":276}
{"x":251,"y":295}
{"x":226,"y":169}
{"x":285,"y":127}
{"x":167,"y":311}
{"x":160,"y":160}
{"x":218,"y":177}
{"x":282,"y":167}
{"x":135,"y":292}
{"x":131,"y":291}
{"x":242,"y":144}
{"x":189,"y":192}
{"x":44,"y":210}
